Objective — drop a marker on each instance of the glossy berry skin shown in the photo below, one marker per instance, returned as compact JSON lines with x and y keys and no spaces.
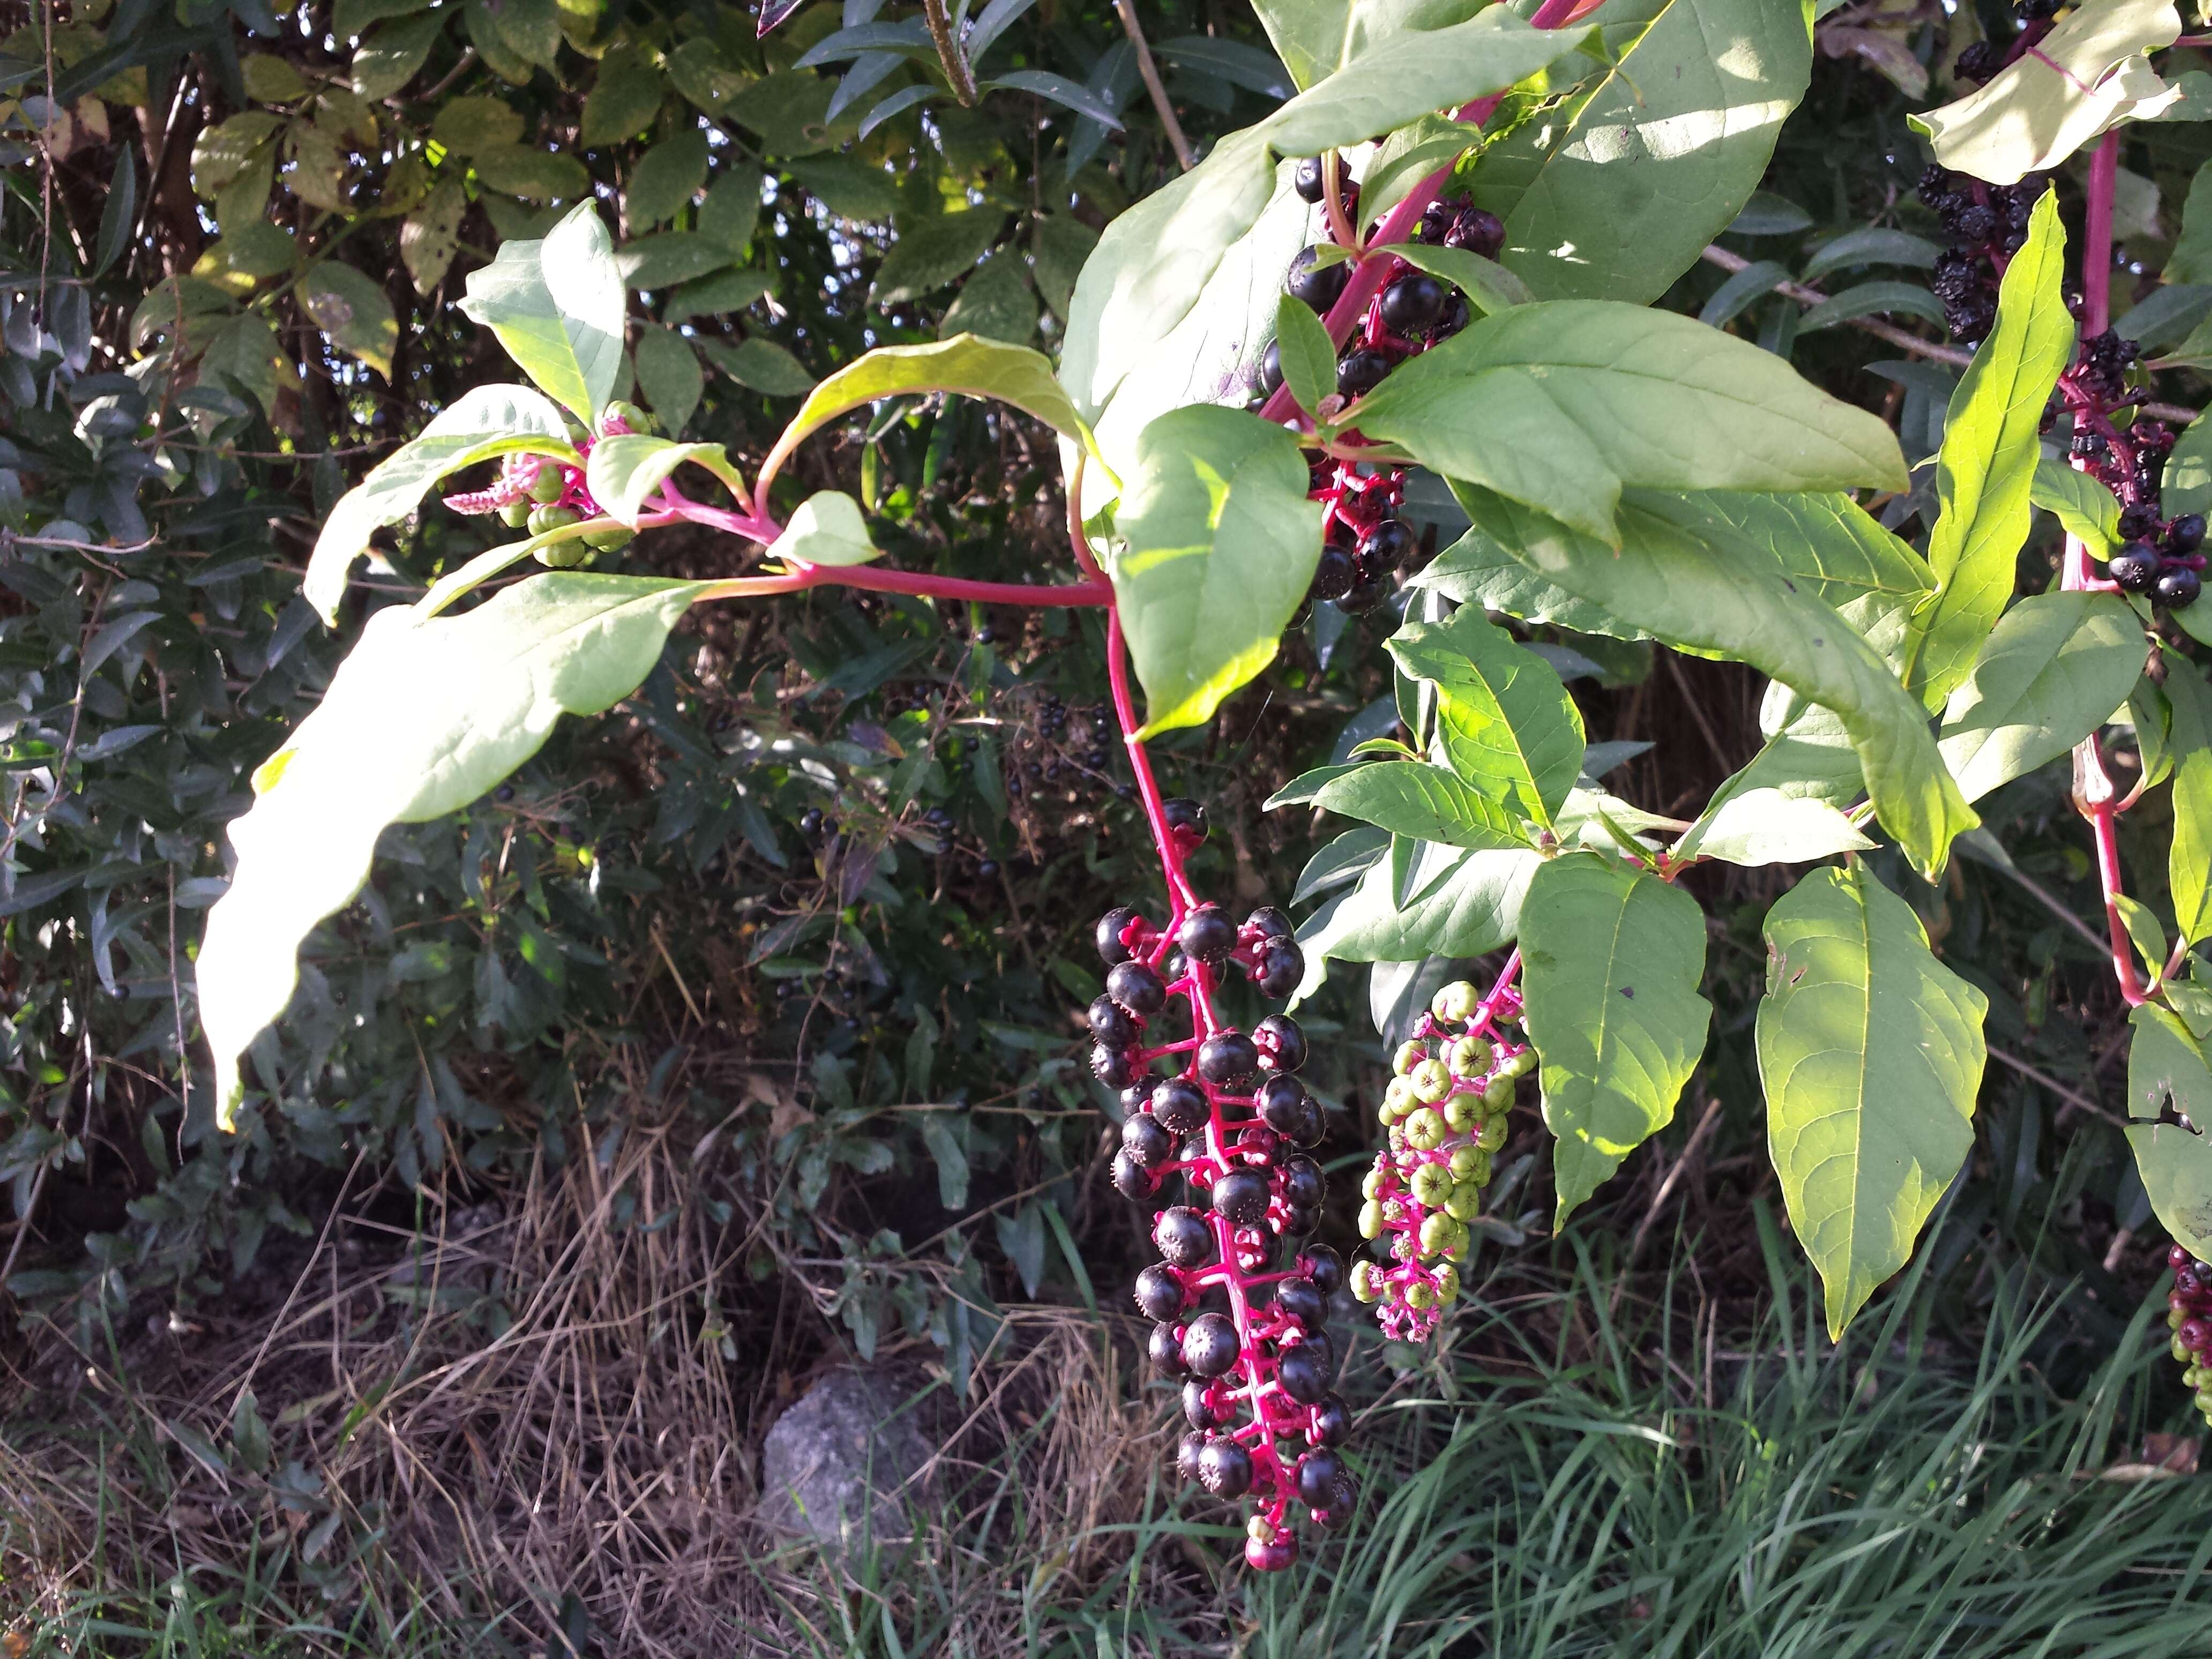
{"x":1208,"y":936}
{"x":1386,"y":547}
{"x":1316,"y":286}
{"x":1326,"y":1268}
{"x":1303,"y":1184}
{"x":1479,"y":231}
{"x":1332,"y":1421}
{"x":1269,"y":375}
{"x":1268,"y":922}
{"x":2134,"y":568}
{"x":1145,"y":1142}
{"x":1280,"y":969}
{"x":1160,"y":1292}
{"x":1209,"y":1345}
{"x":1276,"y":1554}
{"x":1186,"y":821}
{"x":1225,"y":1468}
{"x":1111,"y":926}
{"x":1241,"y":1199}
{"x":1307,"y":180}
{"x":2186,"y":533}
{"x":1282,"y":1104}
{"x":1133,"y":1180}
{"x":2176,"y":588}
{"x":1111,"y":1023}
{"x":1180,"y":1105}
{"x":1302,"y":1373}
{"x":1281,"y":1042}
{"x":1186,"y":1452}
{"x":1300,"y":1299}
{"x":1411,"y":305}
{"x":1183,"y":1238}
{"x":1137,"y":988}
{"x":1164,"y":1349}
{"x":1335,"y":574}
{"x":1197,"y":1408}
{"x":1318,"y":1473}
{"x":1230,"y":1060}
{"x":1360,"y":372}
{"x":1115,"y":1067}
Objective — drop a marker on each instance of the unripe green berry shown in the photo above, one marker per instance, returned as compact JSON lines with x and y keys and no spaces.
{"x":1497,"y":1093}
{"x":1370,"y":1184}
{"x":1432,"y":1185}
{"x":1367,"y":1281}
{"x":1431,"y":1081}
{"x":1463,"y":1162}
{"x":1436,"y":1234}
{"x":1398,"y":1100}
{"x":1466,"y":1200}
{"x":1409,"y":1056}
{"x":564,"y":555}
{"x":1521,"y":1064}
{"x":1371,"y":1220}
{"x":1447,"y":1283}
{"x":2174,"y":1319}
{"x":549,"y":484}
{"x":543,"y":518}
{"x":2180,"y":1348}
{"x":1470,"y":1057}
{"x":514,"y":514}
{"x":1454,"y":1002}
{"x":1424,"y":1129}
{"x":1456,"y":1244}
{"x":612,"y":539}
{"x":1462,"y":1112}
{"x":1492,"y":1135}
{"x":1419,"y":1295}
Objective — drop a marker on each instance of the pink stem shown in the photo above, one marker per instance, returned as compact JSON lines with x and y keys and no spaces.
{"x":2096,"y":236}
{"x":1369,"y":271}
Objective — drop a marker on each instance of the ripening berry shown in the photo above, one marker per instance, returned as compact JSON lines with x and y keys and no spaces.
{"x":1278,"y":1554}
{"x":1225,"y":1468}
{"x":1241,"y":1198}
{"x":1160,"y":1292}
{"x":1230,"y":1060}
{"x":1208,"y":936}
{"x":1137,"y":988}
{"x":1209,"y":1345}
{"x":1182,"y":1235}
{"x":1180,"y":1105}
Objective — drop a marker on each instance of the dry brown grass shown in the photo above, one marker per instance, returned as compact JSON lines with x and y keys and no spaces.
{"x":532,"y":1399}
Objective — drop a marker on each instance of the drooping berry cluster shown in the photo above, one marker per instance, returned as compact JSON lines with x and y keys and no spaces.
{"x":1237,"y":1306}
{"x":2189,"y":1316}
{"x":537,"y":493}
{"x":1987,"y":224}
{"x":1363,"y":542}
{"x":1983,"y":59}
{"x":1444,"y":1113}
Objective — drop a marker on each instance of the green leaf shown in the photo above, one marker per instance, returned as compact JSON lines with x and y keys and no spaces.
{"x":2145,"y":933}
{"x":534,"y":174}
{"x":669,"y":375}
{"x":1219,"y":547}
{"x":465,"y":126}
{"x":1742,"y":291}
{"x":2191,"y":258}
{"x":660,"y":262}
{"x":1060,"y":244}
{"x":994,"y":303}
{"x":1561,"y":404}
{"x":1506,"y":723}
{"x":2088,"y":74}
{"x":827,"y":528}
{"x":1476,"y":570}
{"x":665,"y":180}
{"x":2187,"y":487}
{"x":222,"y":152}
{"x":981,"y":368}
{"x":848,"y":186}
{"x":1767,"y":826}
{"x":2176,"y":1166}
{"x":1459,"y":904}
{"x":349,"y":18}
{"x":1404,"y":158}
{"x":430,"y":235}
{"x":731,"y":213}
{"x":1424,"y":802}
{"x":1871,"y":1053}
{"x":624,"y":98}
{"x":488,"y":422}
{"x":2165,"y":1063}
{"x":119,"y":214}
{"x":557,"y":307}
{"x":1872,"y":300}
{"x":1870,"y":245}
{"x":1402,"y":76}
{"x":763,"y":365}
{"x":1489,"y":286}
{"x":422,"y":718}
{"x":1615,"y":193}
{"x":1610,"y":963}
{"x":2085,"y":507}
{"x":719,"y":295}
{"x":388,"y":59}
{"x":624,"y":472}
{"x":2189,"y":859}
{"x":2054,"y":670}
{"x":353,"y":311}
{"x":928,"y":253}
{"x":1985,"y":473}
{"x":1309,"y":355}
{"x":1696,"y":584}
{"x":1316,"y":38}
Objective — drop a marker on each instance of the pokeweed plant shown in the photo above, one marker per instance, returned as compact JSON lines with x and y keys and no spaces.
{"x":1412,"y":267}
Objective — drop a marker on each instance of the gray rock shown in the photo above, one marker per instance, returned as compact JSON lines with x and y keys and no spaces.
{"x":844,"y":1464}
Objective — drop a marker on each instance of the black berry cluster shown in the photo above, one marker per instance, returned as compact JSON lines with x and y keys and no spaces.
{"x":1983,"y":59}
{"x":1986,"y":224}
{"x":1062,"y":748}
{"x":1364,"y":543}
{"x":2189,"y":1316}
{"x":1444,"y":1113}
{"x":1237,"y":1304}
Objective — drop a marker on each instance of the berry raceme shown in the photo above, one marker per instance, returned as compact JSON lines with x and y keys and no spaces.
{"x":1237,"y":1304}
{"x":537,"y":494}
{"x":1444,"y":1114}
{"x":1987,"y":224}
{"x":2189,"y":1316}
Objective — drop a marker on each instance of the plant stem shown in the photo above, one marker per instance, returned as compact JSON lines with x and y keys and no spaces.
{"x":1149,"y":72}
{"x":2096,"y":236}
{"x":962,"y":77}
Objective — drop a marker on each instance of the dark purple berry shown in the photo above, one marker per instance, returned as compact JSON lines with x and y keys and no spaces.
{"x":1413,"y":304}
{"x":1160,"y":1292}
{"x":1225,"y":1468}
{"x":1186,"y":1454}
{"x":1478,"y":231}
{"x":1306,"y":179}
{"x":1332,"y":1422}
{"x":1144,"y":1141}
{"x":1110,"y":928}
{"x":1299,"y":1298}
{"x":1302,"y":1370}
{"x":1208,"y":936}
{"x":1180,"y":1105}
{"x":2134,"y":568}
{"x":1366,"y":593}
{"x":1386,"y":547}
{"x":1268,"y":922}
{"x":2176,"y":588}
{"x":1281,"y":968}
{"x":1133,"y":1180}
{"x":1335,"y":574}
{"x":1282,"y":1101}
{"x":2186,"y":533}
{"x":1209,"y":1345}
{"x":1303,"y":1184}
{"x":1318,"y":1473}
{"x":1197,"y":1408}
{"x":1164,"y":1349}
{"x":1315,"y":286}
{"x":1137,"y":988}
{"x":1185,"y":820}
{"x":1230,"y":1060}
{"x":1111,"y":1023}
{"x":1183,"y":1236}
{"x":1115,"y":1067}
{"x":1361,"y":372}
{"x":1281,"y":1042}
{"x":1241,"y":1199}
{"x":1324,"y":1266}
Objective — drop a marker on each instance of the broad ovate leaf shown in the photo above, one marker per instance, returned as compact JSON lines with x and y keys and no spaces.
{"x":1614,"y":194}
{"x":422,"y":717}
{"x":2085,"y":507}
{"x":1219,"y":545}
{"x":828,"y":528}
{"x":1611,"y":960}
{"x":557,"y":307}
{"x":1506,"y":724}
{"x":1871,"y":1053}
{"x":488,"y":422}
{"x":1770,"y":826}
{"x":1985,"y":471}
{"x":2083,"y":78}
{"x":626,"y":470}
{"x":1422,"y":803}
{"x":2189,"y":858}
{"x":2054,"y":670}
{"x":1316,"y":38}
{"x":1562,"y":404}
